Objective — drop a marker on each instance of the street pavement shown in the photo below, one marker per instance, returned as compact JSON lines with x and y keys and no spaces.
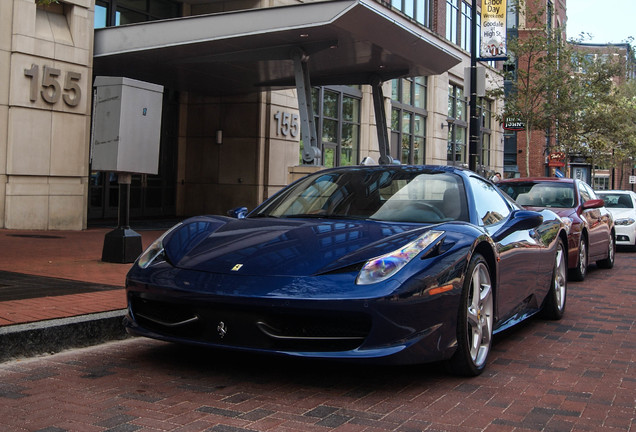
{"x":577,"y":374}
{"x":57,"y":293}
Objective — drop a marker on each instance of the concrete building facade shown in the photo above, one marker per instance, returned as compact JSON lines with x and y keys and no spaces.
{"x":231,"y":131}
{"x":45,"y":100}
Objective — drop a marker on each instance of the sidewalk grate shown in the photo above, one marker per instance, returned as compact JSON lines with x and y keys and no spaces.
{"x":18,"y":286}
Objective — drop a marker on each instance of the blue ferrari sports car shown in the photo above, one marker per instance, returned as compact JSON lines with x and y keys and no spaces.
{"x":386,"y":263}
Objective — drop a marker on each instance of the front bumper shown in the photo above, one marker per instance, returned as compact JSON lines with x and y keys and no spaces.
{"x":625,"y":235}
{"x":415,"y":329}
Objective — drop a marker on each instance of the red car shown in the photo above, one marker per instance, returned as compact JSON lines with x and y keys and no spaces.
{"x":591,"y":234}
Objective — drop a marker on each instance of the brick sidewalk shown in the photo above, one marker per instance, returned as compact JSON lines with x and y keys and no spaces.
{"x":67,"y":255}
{"x":574,"y":375}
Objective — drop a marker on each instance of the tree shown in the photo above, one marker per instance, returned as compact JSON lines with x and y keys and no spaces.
{"x":589,"y":122}
{"x":536,"y":74}
{"x":557,"y":89}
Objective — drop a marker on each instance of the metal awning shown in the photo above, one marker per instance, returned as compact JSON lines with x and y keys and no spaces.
{"x":347,"y":42}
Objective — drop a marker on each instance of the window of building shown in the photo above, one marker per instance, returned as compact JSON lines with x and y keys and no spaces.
{"x":601,"y":183}
{"x":465,"y":25}
{"x":419,"y":10}
{"x":337,"y":117}
{"x":458,"y":23}
{"x":457,"y":125}
{"x":109,"y":13}
{"x":408,"y":119}
{"x":452,"y":18}
{"x":485,"y":112}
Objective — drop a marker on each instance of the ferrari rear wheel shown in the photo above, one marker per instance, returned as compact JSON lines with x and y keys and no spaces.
{"x":475,"y":321}
{"x":554,"y":305}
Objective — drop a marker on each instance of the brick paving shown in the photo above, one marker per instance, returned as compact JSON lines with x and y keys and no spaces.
{"x":577,"y":374}
{"x":64,"y":255}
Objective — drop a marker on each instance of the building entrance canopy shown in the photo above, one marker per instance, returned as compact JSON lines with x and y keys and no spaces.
{"x":343,"y":42}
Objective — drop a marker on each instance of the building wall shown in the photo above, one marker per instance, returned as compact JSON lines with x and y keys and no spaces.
{"x":44,"y":146}
{"x":45,"y":68}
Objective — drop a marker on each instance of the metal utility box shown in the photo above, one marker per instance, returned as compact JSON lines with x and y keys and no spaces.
{"x":126,"y":125}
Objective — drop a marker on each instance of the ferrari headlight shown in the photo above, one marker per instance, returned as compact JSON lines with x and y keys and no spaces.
{"x":568,"y":224}
{"x":624,"y":221}
{"x":154,"y":250}
{"x":383,"y":267}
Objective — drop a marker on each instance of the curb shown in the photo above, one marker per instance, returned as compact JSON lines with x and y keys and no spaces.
{"x":51,"y":336}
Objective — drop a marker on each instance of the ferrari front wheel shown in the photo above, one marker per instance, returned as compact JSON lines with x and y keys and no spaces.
{"x":474,"y":321}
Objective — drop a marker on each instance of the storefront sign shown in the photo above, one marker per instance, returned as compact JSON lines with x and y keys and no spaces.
{"x":493,"y":29}
{"x":514,"y":124}
{"x":558,"y":156}
{"x":556,"y":159}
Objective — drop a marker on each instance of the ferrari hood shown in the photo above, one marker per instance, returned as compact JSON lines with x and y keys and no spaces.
{"x":282,"y":247}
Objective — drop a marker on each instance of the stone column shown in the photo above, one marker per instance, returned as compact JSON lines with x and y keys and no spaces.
{"x":45,"y":105}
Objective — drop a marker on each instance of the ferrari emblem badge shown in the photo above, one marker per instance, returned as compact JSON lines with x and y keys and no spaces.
{"x":222,"y":329}
{"x":237,"y":267}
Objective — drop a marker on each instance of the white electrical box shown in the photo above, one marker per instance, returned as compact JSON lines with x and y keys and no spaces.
{"x":126,"y":125}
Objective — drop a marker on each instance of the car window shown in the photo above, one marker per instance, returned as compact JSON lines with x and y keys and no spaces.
{"x":617,"y":200}
{"x":541,"y":194}
{"x":490,"y":205}
{"x":586,"y":192}
{"x":427,"y":198}
{"x":383,"y":193}
{"x":590,"y":192}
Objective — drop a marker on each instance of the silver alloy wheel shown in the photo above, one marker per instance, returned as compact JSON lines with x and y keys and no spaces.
{"x":479,"y":316}
{"x":560,"y":278}
{"x":582,"y":258}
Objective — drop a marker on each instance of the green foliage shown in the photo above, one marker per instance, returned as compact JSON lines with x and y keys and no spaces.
{"x":558,"y":88}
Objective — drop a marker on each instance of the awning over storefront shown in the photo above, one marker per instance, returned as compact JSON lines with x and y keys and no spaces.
{"x":347,"y":42}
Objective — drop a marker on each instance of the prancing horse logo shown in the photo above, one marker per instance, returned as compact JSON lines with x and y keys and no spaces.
{"x":222,"y":329}
{"x":237,"y":267}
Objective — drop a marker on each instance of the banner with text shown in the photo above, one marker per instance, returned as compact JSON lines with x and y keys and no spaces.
{"x":493,"y":29}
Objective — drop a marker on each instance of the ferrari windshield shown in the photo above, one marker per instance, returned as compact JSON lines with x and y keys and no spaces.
{"x":400,"y":194}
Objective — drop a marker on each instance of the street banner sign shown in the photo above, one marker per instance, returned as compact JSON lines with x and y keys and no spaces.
{"x":493,"y":29}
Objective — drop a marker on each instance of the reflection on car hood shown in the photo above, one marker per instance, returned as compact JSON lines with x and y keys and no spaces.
{"x":285,"y":247}
{"x":562,"y":212}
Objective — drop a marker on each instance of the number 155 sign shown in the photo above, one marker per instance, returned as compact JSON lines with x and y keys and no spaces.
{"x":54,"y":85}
{"x":286,"y":124}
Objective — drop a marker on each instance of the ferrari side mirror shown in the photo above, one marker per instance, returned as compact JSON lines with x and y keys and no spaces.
{"x":238,"y":213}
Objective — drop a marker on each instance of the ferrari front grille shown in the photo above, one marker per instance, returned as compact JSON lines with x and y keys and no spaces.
{"x":253,"y":327}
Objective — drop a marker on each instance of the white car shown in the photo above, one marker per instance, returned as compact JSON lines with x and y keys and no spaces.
{"x":622,"y":205}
